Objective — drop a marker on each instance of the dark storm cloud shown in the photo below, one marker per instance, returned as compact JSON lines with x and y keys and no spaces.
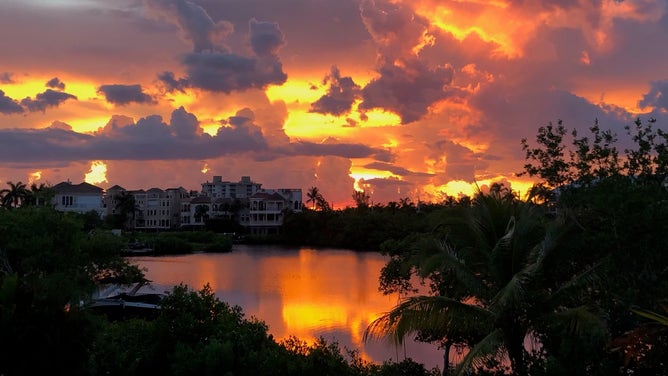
{"x":396,"y":170}
{"x":407,"y":90}
{"x":125,"y":94}
{"x":150,"y":138}
{"x":341,"y":150}
{"x":657,"y":96}
{"x":6,"y":78}
{"x":407,"y":83}
{"x":341,"y":94}
{"x":225,"y":72}
{"x":193,"y":21}
{"x":49,"y":98}
{"x":212,"y":65}
{"x":461,"y":162}
{"x":9,"y":105}
{"x":171,"y":83}
{"x":265,"y":38}
{"x":56,"y":83}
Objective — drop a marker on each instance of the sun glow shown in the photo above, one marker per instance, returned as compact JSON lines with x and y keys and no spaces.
{"x":34,"y":176}
{"x":97,"y":173}
{"x":361,"y":173}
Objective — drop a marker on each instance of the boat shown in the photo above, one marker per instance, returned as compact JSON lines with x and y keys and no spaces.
{"x":137,"y":249}
{"x":118,"y":304}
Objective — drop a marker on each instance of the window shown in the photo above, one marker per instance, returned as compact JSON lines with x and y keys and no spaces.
{"x":67,"y":200}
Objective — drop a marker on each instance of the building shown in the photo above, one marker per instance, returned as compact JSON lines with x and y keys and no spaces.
{"x":79,"y":198}
{"x":267,"y":209}
{"x":242,"y":189}
{"x":155,"y":209}
{"x":261,"y":211}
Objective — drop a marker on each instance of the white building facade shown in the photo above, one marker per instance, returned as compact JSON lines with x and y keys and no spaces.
{"x":79,"y":198}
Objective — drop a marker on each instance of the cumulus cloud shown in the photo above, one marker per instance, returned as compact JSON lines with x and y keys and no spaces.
{"x":407,"y":84}
{"x":394,"y":169}
{"x":151,"y":138}
{"x":125,"y":94}
{"x":212,"y":65}
{"x":49,"y":98}
{"x":56,"y":83}
{"x":657,"y":96}
{"x":341,"y":94}
{"x":8,"y":105}
{"x":193,"y":21}
{"x":407,"y":89}
{"x":347,"y":150}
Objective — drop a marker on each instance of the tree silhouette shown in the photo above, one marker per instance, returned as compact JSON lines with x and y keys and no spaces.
{"x":15,"y":195}
{"x":313,"y":195}
{"x":126,"y":207}
{"x":499,"y":286}
{"x":201,"y":212}
{"x":361,"y":199}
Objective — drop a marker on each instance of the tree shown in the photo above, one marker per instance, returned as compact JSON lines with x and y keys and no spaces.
{"x":313,"y":195}
{"x":15,"y":195}
{"x":500,"y":285}
{"x":361,"y":199}
{"x":127,"y":208}
{"x":201,"y":213}
{"x":39,"y":195}
{"x":48,"y":265}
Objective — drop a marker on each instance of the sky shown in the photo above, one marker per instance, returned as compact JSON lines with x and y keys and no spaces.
{"x":413,"y":99}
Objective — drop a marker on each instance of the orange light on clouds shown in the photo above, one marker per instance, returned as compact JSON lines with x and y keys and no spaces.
{"x":97,"y":173}
{"x":84,"y":124}
{"x":360,"y":173}
{"x":34,"y":176}
{"x":295,"y":92}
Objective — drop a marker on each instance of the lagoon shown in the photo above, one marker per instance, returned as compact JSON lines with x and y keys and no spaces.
{"x":297,"y":291}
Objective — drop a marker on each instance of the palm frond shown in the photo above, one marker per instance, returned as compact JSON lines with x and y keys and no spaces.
{"x":512,"y":294}
{"x":659,"y":318}
{"x":437,"y":314}
{"x":580,"y":320}
{"x":589,"y":277}
{"x":490,"y":347}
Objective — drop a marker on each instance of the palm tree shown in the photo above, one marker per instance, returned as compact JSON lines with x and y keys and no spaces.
{"x":313,"y":195}
{"x":499,"y":288}
{"x":40,"y":195}
{"x":15,"y":195}
{"x":126,"y":206}
{"x":201,"y":212}
{"x":361,"y":199}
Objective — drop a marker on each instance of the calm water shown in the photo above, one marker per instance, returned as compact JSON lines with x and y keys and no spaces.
{"x":298,"y":292}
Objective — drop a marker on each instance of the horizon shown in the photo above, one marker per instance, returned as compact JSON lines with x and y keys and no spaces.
{"x":398,"y":98}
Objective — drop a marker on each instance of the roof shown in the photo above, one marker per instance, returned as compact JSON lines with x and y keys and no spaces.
{"x":267,"y":196}
{"x":201,"y":200}
{"x":68,"y":187}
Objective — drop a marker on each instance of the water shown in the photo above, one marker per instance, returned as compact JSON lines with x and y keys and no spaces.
{"x":299,"y":292}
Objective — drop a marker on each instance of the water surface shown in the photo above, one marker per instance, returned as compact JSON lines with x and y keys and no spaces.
{"x":299,"y":292}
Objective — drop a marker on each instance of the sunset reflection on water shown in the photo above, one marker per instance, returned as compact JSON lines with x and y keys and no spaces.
{"x":303,"y":292}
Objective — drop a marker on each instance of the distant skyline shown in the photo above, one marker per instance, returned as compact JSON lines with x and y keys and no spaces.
{"x":399,"y":98}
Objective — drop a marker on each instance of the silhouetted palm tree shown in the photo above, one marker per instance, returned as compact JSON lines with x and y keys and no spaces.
{"x":15,"y":195}
{"x":500,"y":290}
{"x":126,"y":206}
{"x":201,"y":213}
{"x":313,"y":194}
{"x":40,"y":195}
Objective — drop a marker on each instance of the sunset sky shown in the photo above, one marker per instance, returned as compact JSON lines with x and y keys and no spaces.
{"x":401,"y":98}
